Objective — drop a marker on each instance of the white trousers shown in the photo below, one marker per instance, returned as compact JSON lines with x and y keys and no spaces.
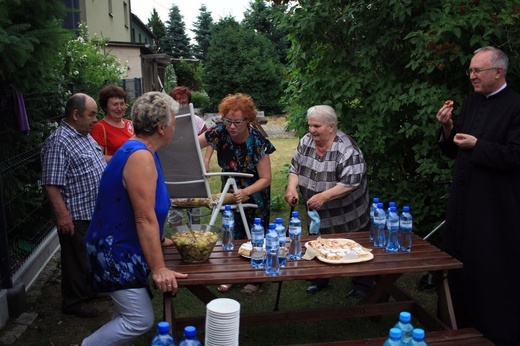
{"x":133,"y":316}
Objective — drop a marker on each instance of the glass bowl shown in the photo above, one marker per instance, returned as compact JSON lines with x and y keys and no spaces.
{"x":195,"y":245}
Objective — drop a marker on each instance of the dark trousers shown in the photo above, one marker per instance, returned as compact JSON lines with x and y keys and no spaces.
{"x":75,"y":285}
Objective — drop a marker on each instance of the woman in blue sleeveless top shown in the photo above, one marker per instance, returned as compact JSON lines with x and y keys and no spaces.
{"x":125,"y":236}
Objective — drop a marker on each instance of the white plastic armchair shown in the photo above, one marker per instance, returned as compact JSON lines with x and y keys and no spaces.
{"x":185,"y":173}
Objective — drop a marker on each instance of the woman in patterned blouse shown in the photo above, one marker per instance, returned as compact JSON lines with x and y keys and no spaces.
{"x":242,"y":148}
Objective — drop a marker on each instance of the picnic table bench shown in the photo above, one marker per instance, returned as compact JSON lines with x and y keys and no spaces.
{"x":465,"y":336}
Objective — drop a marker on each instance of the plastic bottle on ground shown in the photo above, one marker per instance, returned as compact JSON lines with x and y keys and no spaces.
{"x":405,"y":230}
{"x":394,"y":337}
{"x":163,"y":336}
{"x":373,"y":208}
{"x":379,"y":226}
{"x":406,"y":327}
{"x":228,"y":229}
{"x":392,"y":225}
{"x":282,"y":237}
{"x":295,"y":233}
{"x":257,"y":240}
{"x":190,"y":337}
{"x":418,"y":337}
{"x":272,"y":265}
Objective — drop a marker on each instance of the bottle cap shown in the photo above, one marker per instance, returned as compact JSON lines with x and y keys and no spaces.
{"x":395,"y":333}
{"x":227,"y":207}
{"x":258,"y":220}
{"x":405,"y":316}
{"x":380,"y":205}
{"x":418,"y":333}
{"x":295,"y":213}
{"x":393,"y":209}
{"x":272,"y":226}
{"x":279,"y":220}
{"x":391,"y":204}
{"x":376,"y":200}
{"x":406,"y":208}
{"x":163,"y":327}
{"x":190,"y":331}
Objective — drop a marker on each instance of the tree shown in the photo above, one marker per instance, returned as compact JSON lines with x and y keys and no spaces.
{"x":387,"y":67}
{"x":240,"y":60}
{"x":86,"y":63}
{"x":266,"y":21}
{"x":202,"y":30}
{"x":175,"y":42}
{"x":30,"y":35}
{"x":158,"y":29}
{"x":188,"y":74}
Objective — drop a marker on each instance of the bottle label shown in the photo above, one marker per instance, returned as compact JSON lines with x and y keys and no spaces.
{"x":257,"y":253}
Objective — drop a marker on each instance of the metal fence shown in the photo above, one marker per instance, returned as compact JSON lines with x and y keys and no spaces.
{"x":25,"y":213}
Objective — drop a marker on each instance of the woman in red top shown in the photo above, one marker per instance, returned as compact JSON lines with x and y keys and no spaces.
{"x":113,"y":130}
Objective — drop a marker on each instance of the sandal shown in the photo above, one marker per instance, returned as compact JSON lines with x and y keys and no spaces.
{"x":224,"y":288}
{"x":249,"y":289}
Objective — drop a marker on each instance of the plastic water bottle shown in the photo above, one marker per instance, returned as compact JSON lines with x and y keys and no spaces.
{"x":394,"y":337}
{"x":418,"y":337}
{"x":295,"y":233}
{"x":228,"y":229}
{"x":280,"y":229}
{"x":390,"y":205}
{"x":379,"y":226}
{"x":163,"y":336}
{"x":406,"y":327}
{"x":272,"y":266}
{"x":190,"y":337}
{"x":373,"y":208}
{"x":405,"y":230}
{"x":257,"y":240}
{"x":392,"y":225}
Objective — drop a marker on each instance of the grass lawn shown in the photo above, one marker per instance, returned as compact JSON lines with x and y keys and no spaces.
{"x":293,"y":294}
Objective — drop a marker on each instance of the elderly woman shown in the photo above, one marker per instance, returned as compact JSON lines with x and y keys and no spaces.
{"x":113,"y":130}
{"x":329,"y":169}
{"x":242,"y":148}
{"x":126,"y":233}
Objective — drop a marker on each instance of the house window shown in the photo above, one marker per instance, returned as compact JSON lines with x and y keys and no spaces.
{"x":125,"y":11}
{"x":110,"y":10}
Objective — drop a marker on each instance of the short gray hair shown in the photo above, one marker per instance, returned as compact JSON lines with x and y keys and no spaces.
{"x":498,"y":58}
{"x":324,"y":113}
{"x":152,"y":109}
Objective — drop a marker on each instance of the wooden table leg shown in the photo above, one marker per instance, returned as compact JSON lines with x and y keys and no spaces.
{"x":445,"y":305}
{"x":169,"y":311}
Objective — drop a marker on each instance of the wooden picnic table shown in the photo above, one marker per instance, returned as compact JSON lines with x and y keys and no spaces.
{"x":387,"y":268}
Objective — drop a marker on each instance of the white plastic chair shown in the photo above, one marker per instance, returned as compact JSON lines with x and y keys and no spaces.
{"x":185,"y":173}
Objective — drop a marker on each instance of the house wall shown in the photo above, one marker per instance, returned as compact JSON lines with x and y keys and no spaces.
{"x":130,"y":56}
{"x":107,"y":18}
{"x":140,"y":36}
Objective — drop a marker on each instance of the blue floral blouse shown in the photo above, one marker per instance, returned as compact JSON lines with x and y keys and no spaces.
{"x":243,"y":158}
{"x":115,"y":258}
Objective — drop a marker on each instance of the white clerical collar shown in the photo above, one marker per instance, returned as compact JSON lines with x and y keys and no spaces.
{"x":499,"y":90}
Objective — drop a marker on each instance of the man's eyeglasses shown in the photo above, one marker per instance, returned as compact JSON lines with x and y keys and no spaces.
{"x":469,"y":71}
{"x":230,"y":122}
{"x":184,"y":104}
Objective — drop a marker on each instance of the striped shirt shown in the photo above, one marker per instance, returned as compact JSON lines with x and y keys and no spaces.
{"x":74,"y":162}
{"x":344,"y":165}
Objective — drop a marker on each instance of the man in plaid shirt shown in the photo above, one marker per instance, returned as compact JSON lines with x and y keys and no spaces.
{"x":72,"y":164}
